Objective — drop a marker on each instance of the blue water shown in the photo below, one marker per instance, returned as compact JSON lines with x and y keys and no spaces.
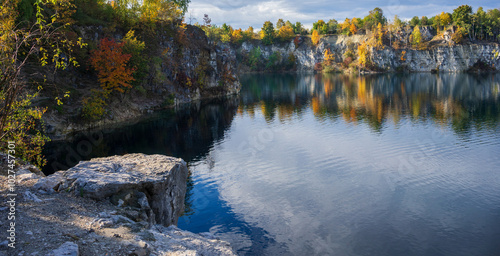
{"x":333,"y":164}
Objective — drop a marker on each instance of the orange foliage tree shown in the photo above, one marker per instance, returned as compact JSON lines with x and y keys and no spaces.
{"x":111,"y":65}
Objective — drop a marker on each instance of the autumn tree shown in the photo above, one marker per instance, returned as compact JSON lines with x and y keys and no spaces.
{"x":111,"y":65}
{"x":379,"y":35}
{"x":328,"y":57}
{"x":416,"y":37}
{"x":237,"y":36}
{"x":321,"y":26}
{"x":363,"y":54}
{"x":267,"y":33}
{"x":353,"y":29}
{"x":280,"y":23}
{"x":445,"y":19}
{"x":248,"y":34}
{"x":345,"y":26}
{"x":285,"y":33}
{"x":41,"y":36}
{"x":315,"y":37}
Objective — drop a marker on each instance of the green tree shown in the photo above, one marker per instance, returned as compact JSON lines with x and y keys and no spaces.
{"x":397,"y":22}
{"x":424,"y":21}
{"x":374,"y":17}
{"x":462,"y":17}
{"x":280,"y":24}
{"x":298,"y":28}
{"x":332,"y":26}
{"x":267,"y":33}
{"x":415,"y":21}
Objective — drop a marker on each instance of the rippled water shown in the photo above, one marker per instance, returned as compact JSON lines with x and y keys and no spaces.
{"x":334,"y":164}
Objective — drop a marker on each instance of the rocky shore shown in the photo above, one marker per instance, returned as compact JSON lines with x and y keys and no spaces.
{"x":119,"y":205}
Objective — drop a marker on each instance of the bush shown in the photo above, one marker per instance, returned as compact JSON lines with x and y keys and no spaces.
{"x":94,"y":106}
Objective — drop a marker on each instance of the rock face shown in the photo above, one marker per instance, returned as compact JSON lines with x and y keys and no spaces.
{"x":153,"y":184}
{"x":456,"y":58}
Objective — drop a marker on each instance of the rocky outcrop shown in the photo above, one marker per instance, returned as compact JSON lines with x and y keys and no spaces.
{"x":152,"y":185}
{"x":457,"y":58}
{"x":97,"y":221}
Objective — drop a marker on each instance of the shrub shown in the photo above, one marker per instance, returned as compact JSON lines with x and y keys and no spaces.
{"x":94,"y":106}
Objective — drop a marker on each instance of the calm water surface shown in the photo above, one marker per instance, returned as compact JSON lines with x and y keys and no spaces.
{"x":332,"y":164}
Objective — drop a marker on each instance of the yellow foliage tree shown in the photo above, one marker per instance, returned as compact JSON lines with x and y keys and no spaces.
{"x":152,"y":10}
{"x":445,"y":19}
{"x":315,"y":37}
{"x":379,"y":35}
{"x":328,"y":57}
{"x":237,"y":36}
{"x":363,"y":53}
{"x":285,"y":33}
{"x":345,"y":25}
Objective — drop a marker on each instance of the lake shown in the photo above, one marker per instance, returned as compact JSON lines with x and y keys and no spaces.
{"x":391,"y":164}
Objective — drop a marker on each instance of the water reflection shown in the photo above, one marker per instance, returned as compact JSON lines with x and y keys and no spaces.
{"x":187,"y":132}
{"x":384,"y":165}
{"x":462,"y":100}
{"x":333,"y":164}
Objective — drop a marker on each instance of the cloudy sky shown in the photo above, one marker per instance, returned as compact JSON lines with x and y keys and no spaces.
{"x":244,"y":13}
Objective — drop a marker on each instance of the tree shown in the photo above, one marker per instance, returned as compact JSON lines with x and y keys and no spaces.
{"x":363,"y":54}
{"x":280,"y":24}
{"x":329,"y":57}
{"x":285,"y":33}
{"x":416,"y":37}
{"x":298,"y":28}
{"x":206,"y":20}
{"x":267,"y":33}
{"x":111,"y":65}
{"x":379,"y":35}
{"x":237,"y":36}
{"x":315,"y":37}
{"x":424,"y":21}
{"x":345,"y":26}
{"x":462,"y":17}
{"x":397,"y":22}
{"x":353,"y":29}
{"x":445,"y":19}
{"x":321,"y":26}
{"x":332,"y":26}
{"x":157,"y":10}
{"x":248,"y":34}
{"x":374,"y":17}
{"x":19,"y":43}
{"x":415,"y":21}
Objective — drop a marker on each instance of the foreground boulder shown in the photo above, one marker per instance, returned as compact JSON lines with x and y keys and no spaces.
{"x":152,"y":185}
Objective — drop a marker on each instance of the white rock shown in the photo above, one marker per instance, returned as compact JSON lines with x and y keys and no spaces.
{"x":66,"y":249}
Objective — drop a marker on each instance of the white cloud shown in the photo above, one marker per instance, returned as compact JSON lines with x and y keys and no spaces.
{"x":241,"y":14}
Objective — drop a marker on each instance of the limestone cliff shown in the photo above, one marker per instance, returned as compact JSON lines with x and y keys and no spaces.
{"x":457,"y":58}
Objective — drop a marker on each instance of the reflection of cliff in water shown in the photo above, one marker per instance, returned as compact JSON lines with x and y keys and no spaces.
{"x":188,"y":132}
{"x":460,"y":100}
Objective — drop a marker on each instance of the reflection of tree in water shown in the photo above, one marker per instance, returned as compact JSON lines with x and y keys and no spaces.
{"x":462,"y":101}
{"x":188,"y":132}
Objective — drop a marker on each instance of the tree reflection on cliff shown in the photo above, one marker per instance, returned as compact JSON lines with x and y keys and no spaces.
{"x":462,"y":101}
